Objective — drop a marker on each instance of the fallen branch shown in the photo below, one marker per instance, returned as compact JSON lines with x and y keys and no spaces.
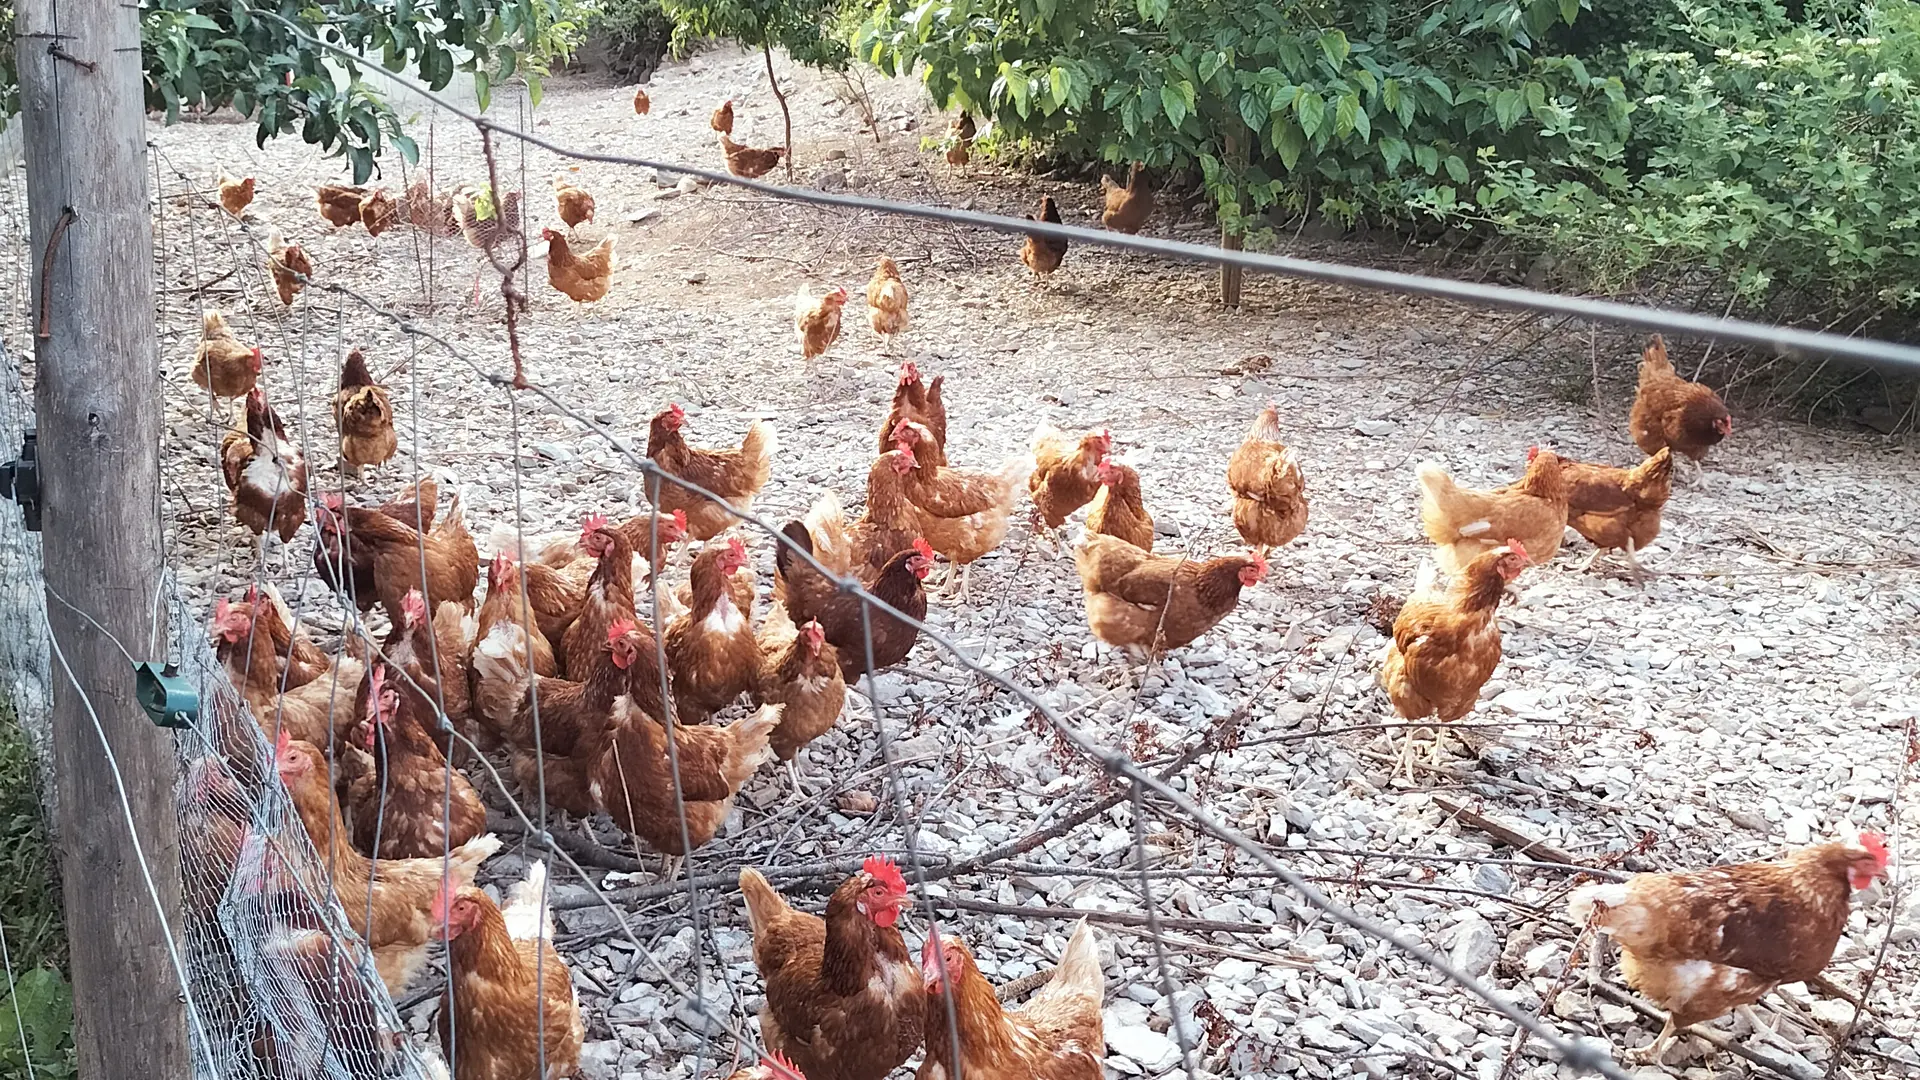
{"x":1118,"y":918}
{"x":1506,"y":834}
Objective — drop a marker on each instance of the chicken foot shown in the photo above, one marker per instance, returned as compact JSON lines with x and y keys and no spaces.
{"x":1766,"y":1032}
{"x":1651,"y":1054}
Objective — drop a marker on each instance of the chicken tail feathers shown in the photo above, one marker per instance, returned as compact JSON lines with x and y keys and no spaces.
{"x":1079,"y":971}
{"x":750,"y":749}
{"x":784,"y":556}
{"x":761,"y":442}
{"x":826,"y":528}
{"x":528,"y":914}
{"x":1015,"y":471}
{"x":468,"y":856}
{"x":1426,"y":581}
{"x":1654,"y":360}
{"x":1657,"y":469}
{"x":1582,"y":902}
{"x":764,"y":903}
{"x":1434,"y":481}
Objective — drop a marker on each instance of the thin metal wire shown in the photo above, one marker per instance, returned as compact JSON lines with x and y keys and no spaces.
{"x":13,"y":996}
{"x":133,"y":834}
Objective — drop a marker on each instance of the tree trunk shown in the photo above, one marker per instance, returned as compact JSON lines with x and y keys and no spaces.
{"x":98,"y":403}
{"x":1230,"y":275}
{"x":766,"y":49}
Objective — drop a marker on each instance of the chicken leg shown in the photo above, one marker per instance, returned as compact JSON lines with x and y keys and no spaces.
{"x":1651,"y":1055}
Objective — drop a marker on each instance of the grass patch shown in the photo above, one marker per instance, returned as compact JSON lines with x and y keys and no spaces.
{"x":30,"y":907}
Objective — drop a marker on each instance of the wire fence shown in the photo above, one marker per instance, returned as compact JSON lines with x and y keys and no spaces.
{"x":287,"y":977}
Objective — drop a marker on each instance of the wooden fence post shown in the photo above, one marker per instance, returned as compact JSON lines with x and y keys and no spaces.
{"x":97,"y":396}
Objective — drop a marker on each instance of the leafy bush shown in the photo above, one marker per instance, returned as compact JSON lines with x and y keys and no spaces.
{"x":636,"y":34}
{"x":1785,"y":161}
{"x":207,"y":54}
{"x":1270,"y":105}
{"x":31,"y":906}
{"x":801,"y":27}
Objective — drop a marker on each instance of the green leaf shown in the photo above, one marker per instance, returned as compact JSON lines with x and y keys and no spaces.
{"x":482,"y":89}
{"x":1456,"y":168}
{"x":1290,"y":143}
{"x":1254,"y":111}
{"x":1427,"y":157}
{"x":197,"y":21}
{"x":1393,"y":150}
{"x":1344,"y":111}
{"x":1058,"y":84}
{"x":1333,"y":44}
{"x":409,"y":149}
{"x":1569,"y":9}
{"x":1174,"y":104}
{"x":1311,"y":111}
{"x":1362,"y":123}
{"x":1507,"y":107}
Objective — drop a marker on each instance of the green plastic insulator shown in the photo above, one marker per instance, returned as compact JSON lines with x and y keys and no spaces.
{"x":166,"y":695}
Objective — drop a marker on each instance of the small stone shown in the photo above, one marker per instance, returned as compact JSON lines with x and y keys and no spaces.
{"x":1315,"y":1031}
{"x":857,"y":802}
{"x":698,"y":277}
{"x":1375,"y":429}
{"x":1475,"y":947}
{"x":600,"y":1060}
{"x":687,"y":185}
{"x":1165,"y":526}
{"x":1747,"y":647}
{"x":1153,"y":1051}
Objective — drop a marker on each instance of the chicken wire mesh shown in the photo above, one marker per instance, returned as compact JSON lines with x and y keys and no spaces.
{"x":282,"y":984}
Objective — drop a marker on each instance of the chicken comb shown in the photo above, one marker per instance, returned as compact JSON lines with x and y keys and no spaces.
{"x":1259,"y":561}
{"x":619,"y":629}
{"x":501,"y":563}
{"x":1876,"y":846}
{"x":1519,"y":549}
{"x":592,"y":523}
{"x":909,"y":373}
{"x":332,"y":500}
{"x":885,"y":874}
{"x":781,"y":1068}
{"x":282,"y":745}
{"x":221,"y":609}
{"x":413,"y":606}
{"x":925,"y":549}
{"x":737,"y":548}
{"x":675,"y":409}
{"x":680,"y":522}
